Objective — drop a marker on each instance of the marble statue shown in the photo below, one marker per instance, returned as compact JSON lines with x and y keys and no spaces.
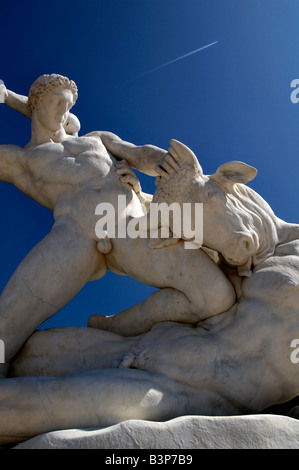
{"x":71,"y":175}
{"x":214,"y":340}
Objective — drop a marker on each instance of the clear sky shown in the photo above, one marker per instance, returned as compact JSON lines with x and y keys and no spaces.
{"x":229,"y":101}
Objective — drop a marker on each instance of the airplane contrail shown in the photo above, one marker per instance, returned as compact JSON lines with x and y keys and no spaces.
{"x":172,"y":61}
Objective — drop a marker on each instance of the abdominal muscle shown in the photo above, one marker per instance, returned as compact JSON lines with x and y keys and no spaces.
{"x":81,"y":204}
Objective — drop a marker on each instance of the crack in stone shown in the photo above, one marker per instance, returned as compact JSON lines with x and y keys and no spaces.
{"x":39,"y":298}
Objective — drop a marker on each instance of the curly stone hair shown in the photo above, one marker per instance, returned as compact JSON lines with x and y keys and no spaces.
{"x":44,"y":84}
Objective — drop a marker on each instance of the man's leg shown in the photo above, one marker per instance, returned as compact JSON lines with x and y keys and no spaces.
{"x":35,"y":405}
{"x":46,"y":280}
{"x":193,"y":287}
{"x":58,"y":352}
{"x":162,"y":305}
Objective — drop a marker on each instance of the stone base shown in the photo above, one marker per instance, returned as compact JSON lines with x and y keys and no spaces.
{"x":263,"y":431}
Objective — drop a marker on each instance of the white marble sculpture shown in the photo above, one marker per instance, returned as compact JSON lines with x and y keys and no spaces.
{"x":214,"y":340}
{"x":71,"y":176}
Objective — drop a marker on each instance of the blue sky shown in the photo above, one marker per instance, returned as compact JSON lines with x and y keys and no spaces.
{"x":230,"y":101}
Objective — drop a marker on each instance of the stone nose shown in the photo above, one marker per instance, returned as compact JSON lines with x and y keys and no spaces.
{"x":247,"y":244}
{"x":62,"y":107}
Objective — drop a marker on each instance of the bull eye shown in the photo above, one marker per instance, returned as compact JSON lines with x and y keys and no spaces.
{"x":216,"y":194}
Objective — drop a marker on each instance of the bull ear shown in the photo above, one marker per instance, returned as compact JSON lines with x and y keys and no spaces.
{"x":235,"y":172}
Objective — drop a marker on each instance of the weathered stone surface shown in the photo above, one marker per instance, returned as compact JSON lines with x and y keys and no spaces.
{"x":190,"y":432}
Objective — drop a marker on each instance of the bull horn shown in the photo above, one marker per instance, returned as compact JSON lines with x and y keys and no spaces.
{"x":181,"y":153}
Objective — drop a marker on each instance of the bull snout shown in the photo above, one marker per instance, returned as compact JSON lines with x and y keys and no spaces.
{"x":241,"y":249}
{"x":247,"y":245}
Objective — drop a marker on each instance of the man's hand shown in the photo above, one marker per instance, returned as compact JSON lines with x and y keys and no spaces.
{"x":168,"y":163}
{"x":167,"y":166}
{"x":128,"y":176}
{"x":178,"y":157}
{"x":3,"y":92}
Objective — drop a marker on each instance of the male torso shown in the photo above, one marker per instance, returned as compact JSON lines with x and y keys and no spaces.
{"x":72,"y":177}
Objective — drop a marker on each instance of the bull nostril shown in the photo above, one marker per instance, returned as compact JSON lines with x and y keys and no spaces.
{"x":248,"y":244}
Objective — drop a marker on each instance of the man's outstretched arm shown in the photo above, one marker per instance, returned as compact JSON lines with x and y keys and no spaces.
{"x":14,"y":100}
{"x":18,"y":102}
{"x":143,"y":158}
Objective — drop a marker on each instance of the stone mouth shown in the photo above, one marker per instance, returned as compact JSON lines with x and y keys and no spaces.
{"x":244,"y":269}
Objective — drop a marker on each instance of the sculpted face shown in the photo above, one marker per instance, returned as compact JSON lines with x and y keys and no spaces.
{"x":227,"y":227}
{"x":53,"y":109}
